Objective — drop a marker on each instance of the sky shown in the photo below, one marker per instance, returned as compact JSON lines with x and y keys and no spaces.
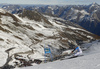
{"x":50,"y":2}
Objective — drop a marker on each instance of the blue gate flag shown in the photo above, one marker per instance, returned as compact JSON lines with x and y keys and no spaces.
{"x":47,"y":50}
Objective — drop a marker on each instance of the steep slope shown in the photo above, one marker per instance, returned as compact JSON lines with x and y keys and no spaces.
{"x":87,"y":16}
{"x":90,"y":61}
{"x":24,"y":36}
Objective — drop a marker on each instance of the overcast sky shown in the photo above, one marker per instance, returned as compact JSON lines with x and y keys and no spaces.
{"x":48,"y":2}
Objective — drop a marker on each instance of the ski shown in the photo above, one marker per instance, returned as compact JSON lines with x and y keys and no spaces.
{"x":71,"y":57}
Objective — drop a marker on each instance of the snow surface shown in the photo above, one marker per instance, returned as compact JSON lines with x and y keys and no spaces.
{"x":3,"y":57}
{"x":78,"y":29}
{"x":2,"y":10}
{"x":23,"y":45}
{"x":90,"y":60}
{"x":74,"y":14}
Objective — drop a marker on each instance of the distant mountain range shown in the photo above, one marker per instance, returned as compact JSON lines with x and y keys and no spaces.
{"x":87,"y":16}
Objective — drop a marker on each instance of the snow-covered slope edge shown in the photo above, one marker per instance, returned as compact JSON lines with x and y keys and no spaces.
{"x":90,"y":60}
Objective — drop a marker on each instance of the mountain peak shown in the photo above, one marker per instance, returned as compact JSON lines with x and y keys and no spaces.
{"x":2,"y":10}
{"x":94,"y":4}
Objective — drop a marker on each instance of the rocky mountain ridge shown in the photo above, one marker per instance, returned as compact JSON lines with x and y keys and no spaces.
{"x":23,"y":37}
{"x":87,"y":16}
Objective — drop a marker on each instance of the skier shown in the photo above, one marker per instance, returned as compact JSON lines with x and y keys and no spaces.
{"x":77,"y":51}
